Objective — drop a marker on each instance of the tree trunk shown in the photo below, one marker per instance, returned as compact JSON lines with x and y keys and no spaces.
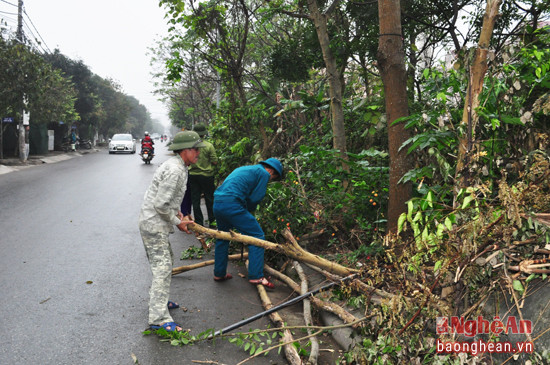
{"x":475,"y":86}
{"x":21,"y":143}
{"x":334,"y":79}
{"x":391,"y":61}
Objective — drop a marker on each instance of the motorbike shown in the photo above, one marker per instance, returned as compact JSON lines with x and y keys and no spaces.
{"x":66,"y":144}
{"x":83,"y":143}
{"x":147,"y":155}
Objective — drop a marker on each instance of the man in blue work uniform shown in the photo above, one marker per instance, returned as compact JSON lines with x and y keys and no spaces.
{"x":234,"y":202}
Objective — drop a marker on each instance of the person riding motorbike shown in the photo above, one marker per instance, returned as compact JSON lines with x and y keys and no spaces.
{"x":147,"y":142}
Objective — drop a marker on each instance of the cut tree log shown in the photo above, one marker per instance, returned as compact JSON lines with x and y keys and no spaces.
{"x":314,"y":353}
{"x":290,"y":248}
{"x":290,"y":351}
{"x":180,"y":269}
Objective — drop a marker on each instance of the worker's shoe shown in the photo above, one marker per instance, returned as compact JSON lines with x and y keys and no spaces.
{"x":262,"y":281}
{"x":226,"y":277}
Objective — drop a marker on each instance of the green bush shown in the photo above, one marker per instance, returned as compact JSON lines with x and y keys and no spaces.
{"x":318,"y":194}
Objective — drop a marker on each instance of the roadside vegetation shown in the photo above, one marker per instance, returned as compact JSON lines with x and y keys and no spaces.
{"x":473,"y":139}
{"x":57,"y":91}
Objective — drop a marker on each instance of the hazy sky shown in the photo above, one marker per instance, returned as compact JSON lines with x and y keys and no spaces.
{"x":111,"y":37}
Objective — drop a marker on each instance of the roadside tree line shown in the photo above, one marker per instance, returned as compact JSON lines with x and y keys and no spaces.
{"x":280,"y":78}
{"x":53,"y":88}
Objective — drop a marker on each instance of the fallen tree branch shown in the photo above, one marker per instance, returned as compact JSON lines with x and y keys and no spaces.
{"x":321,"y":330}
{"x":360,"y":286}
{"x":527,"y":334}
{"x":312,"y":235}
{"x":290,"y":351}
{"x":292,"y":250}
{"x":543,"y":218}
{"x":280,"y":306}
{"x":367,"y":289}
{"x":427,"y":296}
{"x":180,"y":269}
{"x":532,"y":266}
{"x":317,"y":302}
{"x":314,"y":353}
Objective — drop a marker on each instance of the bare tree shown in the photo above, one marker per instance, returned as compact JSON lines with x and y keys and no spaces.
{"x":478,"y":70}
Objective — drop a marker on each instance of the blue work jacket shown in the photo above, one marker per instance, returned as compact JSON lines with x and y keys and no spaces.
{"x":246,"y":185}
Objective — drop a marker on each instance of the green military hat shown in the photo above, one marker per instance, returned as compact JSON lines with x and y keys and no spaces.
{"x":200,"y":129}
{"x":186,"y":139}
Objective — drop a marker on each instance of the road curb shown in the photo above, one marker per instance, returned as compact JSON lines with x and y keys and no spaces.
{"x":6,"y":169}
{"x":13,"y":164}
{"x":58,"y":158}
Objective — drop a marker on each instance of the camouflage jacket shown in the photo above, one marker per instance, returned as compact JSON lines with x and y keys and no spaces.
{"x":161,"y":204}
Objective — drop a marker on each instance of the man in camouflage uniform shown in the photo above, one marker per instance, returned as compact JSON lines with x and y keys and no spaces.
{"x":160,"y":212}
{"x":201,"y":178}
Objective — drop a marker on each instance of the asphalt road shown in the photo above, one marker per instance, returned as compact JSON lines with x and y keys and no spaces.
{"x":74,"y":277}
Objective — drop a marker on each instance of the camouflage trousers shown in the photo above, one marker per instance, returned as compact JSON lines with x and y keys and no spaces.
{"x":160,"y":256}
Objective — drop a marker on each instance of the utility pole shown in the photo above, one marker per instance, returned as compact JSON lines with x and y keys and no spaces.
{"x":20,"y":38}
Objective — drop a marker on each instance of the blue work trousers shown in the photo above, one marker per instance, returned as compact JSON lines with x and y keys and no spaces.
{"x":234,"y":216}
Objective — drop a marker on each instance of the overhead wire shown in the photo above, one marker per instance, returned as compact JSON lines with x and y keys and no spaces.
{"x":42,"y":39}
{"x":30,"y":32}
{"x":6,"y":19}
{"x":7,"y":12}
{"x":40,"y":44}
{"x":7,"y":2}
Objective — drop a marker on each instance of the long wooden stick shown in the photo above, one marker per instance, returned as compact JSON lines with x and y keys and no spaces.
{"x":180,"y":269}
{"x":314,"y":353}
{"x":291,"y":353}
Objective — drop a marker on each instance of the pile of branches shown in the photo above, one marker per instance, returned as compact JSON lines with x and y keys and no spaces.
{"x":497,"y":247}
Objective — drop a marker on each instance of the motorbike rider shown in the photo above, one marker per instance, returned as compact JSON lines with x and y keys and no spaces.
{"x":147,"y":142}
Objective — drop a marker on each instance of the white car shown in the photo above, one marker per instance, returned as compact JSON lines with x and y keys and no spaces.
{"x":122,"y":143}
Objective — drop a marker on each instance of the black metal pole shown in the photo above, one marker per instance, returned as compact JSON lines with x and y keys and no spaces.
{"x":281,"y":306}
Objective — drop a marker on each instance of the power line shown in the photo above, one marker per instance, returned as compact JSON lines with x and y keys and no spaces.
{"x":43,"y":41}
{"x":39,"y":44}
{"x":7,"y":2}
{"x":9,"y":20}
{"x":32,"y":35}
{"x":6,"y":12}
{"x":9,"y":24}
